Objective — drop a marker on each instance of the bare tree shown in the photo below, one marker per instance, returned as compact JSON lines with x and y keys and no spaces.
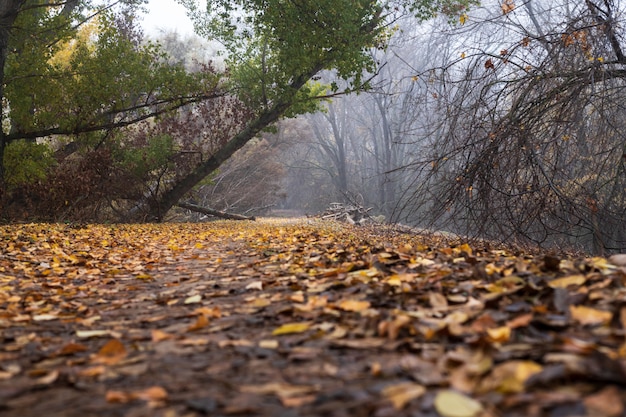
{"x":531,"y":146}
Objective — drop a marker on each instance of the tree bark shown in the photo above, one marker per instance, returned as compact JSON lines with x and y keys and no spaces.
{"x":212,"y":212}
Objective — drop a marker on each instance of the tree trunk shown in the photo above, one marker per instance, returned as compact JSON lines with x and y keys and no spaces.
{"x":170,"y":198}
{"x":8,"y":13}
{"x":213,"y":212}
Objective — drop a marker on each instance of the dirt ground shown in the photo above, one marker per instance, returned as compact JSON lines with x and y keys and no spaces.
{"x":301,"y":318}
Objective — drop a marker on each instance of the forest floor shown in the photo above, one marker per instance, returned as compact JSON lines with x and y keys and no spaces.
{"x":300,"y":317}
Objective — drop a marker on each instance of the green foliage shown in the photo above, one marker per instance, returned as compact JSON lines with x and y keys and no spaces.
{"x":141,"y":161}
{"x":105,"y":76}
{"x":26,"y":162}
{"x":273,"y":44}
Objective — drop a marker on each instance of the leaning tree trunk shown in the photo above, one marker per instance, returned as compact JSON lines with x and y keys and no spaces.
{"x":159,"y":208}
{"x":169,"y":199}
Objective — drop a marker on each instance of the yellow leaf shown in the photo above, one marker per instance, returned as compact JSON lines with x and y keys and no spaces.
{"x":499,"y":334}
{"x":450,"y":403}
{"x":401,"y":394}
{"x":260,"y":302}
{"x":509,"y":377}
{"x":590,"y":316}
{"x":144,"y":277}
{"x":291,"y":328}
{"x":193,"y":299}
{"x":463,"y":18}
{"x":567,"y":281}
{"x":466,"y":248}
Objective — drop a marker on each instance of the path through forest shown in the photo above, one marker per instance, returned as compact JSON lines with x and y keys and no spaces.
{"x":301,"y":317}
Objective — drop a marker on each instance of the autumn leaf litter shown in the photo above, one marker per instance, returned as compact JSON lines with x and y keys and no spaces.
{"x":302,"y":317}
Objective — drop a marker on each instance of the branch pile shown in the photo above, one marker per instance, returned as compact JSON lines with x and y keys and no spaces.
{"x":351,"y":213}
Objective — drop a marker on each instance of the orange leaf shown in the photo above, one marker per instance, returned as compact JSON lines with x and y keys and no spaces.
{"x":72,"y":348}
{"x":354,"y":305}
{"x":111,"y":353}
{"x":201,"y":322}
{"x":159,"y":335}
{"x":499,"y":334}
{"x":150,"y":394}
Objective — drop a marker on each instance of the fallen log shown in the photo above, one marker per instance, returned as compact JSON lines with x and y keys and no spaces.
{"x":213,"y":212}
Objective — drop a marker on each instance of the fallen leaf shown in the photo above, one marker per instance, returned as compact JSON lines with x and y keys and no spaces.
{"x":201,"y":322}
{"x":291,"y":328}
{"x":152,"y":394}
{"x":437,"y":300}
{"x":213,"y":312}
{"x":45,"y":317}
{"x":269,"y":344}
{"x":450,"y":403}
{"x":567,"y":281}
{"x":194,"y":299}
{"x":86,"y":334}
{"x":281,"y":390}
{"x":92,"y":371}
{"x":588,"y":316}
{"x":401,"y":394}
{"x":49,"y":378}
{"x":354,"y":305}
{"x":256,"y":285}
{"x":509,"y":377}
{"x":605,"y":403}
{"x":111,"y":353}
{"x":71,"y":348}
{"x":499,"y":334}
{"x":159,"y":335}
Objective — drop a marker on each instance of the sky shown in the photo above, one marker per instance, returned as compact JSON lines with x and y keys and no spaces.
{"x":168,"y":15}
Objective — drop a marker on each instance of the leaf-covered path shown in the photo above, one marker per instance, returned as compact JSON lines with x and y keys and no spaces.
{"x":301,"y":317}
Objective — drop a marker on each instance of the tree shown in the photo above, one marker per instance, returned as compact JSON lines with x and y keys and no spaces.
{"x":57,"y":83}
{"x":529,"y":146}
{"x":275,"y":49}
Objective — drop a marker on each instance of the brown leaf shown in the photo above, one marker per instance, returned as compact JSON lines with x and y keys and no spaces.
{"x":401,"y":394}
{"x":607,"y":402}
{"x":507,"y":6}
